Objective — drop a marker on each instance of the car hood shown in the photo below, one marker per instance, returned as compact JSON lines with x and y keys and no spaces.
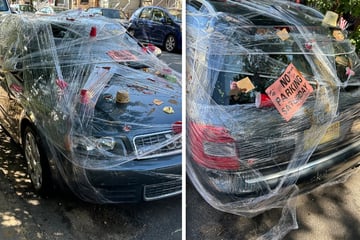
{"x":139,"y":97}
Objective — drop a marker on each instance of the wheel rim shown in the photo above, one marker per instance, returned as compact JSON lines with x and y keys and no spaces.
{"x":32,"y":155}
{"x":170,"y":43}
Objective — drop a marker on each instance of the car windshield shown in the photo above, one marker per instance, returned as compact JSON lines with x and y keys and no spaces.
{"x":116,"y":45}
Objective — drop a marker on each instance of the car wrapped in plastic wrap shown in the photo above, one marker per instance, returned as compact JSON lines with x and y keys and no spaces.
{"x":93,"y":110}
{"x":273,"y":103}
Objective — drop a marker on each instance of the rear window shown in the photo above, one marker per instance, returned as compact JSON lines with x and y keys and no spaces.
{"x":256,"y":52}
{"x":111,"y":13}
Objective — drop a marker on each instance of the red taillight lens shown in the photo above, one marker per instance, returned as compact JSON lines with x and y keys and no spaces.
{"x":213,"y":147}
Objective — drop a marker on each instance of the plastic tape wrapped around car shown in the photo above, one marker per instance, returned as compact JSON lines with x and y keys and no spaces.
{"x":272,"y":104}
{"x":98,"y":99}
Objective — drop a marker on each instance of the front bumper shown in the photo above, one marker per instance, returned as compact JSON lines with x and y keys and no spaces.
{"x":135,"y":181}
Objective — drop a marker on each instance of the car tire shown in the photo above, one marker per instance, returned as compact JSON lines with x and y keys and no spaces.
{"x":36,"y":161}
{"x":170,"y":43}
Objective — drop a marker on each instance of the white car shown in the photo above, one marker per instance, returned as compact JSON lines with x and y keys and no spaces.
{"x":45,"y":11}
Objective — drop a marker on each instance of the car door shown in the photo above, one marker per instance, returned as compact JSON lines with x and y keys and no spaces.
{"x":143,"y":25}
{"x":159,"y":27}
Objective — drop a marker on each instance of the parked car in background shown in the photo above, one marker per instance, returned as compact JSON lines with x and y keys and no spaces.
{"x":157,"y":26}
{"x":50,"y":10}
{"x":45,"y":11}
{"x":273,"y":99}
{"x":110,"y":13}
{"x":91,"y":108}
{"x":23,"y":8}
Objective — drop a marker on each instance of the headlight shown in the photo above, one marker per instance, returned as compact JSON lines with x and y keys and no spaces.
{"x":105,"y":143}
{"x":92,"y":143}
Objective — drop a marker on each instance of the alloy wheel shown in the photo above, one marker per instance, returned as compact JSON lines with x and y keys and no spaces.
{"x":170,"y":43}
{"x":33,"y":160}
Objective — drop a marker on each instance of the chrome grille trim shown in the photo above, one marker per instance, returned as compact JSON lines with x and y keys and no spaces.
{"x":162,"y":190}
{"x":145,"y":143}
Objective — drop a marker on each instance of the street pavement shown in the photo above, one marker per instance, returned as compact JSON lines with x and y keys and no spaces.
{"x":328,"y":213}
{"x":173,"y":60}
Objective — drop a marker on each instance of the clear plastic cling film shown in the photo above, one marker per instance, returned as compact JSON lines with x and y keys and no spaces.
{"x":272,"y":102}
{"x":99,"y":100}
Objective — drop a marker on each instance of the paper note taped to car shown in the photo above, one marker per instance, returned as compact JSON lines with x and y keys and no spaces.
{"x":289,"y":92}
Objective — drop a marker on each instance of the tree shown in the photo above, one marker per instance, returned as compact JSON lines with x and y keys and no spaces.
{"x":349,"y":9}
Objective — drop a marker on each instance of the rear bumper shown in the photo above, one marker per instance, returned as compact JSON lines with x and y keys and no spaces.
{"x":227,"y":186}
{"x":324,"y":168}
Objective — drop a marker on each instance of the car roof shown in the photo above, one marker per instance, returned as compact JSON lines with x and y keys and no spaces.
{"x":259,"y":14}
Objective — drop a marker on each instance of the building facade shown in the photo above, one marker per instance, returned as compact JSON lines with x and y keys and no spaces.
{"x":128,"y":6}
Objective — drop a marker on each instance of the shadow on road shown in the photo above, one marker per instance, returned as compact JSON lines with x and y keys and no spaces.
{"x":24,"y":215}
{"x":331,"y":212}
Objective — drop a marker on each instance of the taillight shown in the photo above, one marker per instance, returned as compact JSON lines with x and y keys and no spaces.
{"x":213,"y":147}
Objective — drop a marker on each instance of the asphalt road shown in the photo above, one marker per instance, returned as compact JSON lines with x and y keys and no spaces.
{"x":26,"y":216}
{"x":328,"y":213}
{"x":173,"y":60}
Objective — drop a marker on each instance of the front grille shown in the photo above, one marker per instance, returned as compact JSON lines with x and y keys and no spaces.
{"x":157,"y":144}
{"x":162,"y":190}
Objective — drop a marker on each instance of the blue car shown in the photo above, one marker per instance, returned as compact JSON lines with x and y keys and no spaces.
{"x":157,"y":26}
{"x":93,"y":111}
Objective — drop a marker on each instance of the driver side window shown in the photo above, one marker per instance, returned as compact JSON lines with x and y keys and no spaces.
{"x":157,"y":15}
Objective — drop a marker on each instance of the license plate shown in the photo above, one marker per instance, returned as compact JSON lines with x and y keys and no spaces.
{"x":332,"y":133}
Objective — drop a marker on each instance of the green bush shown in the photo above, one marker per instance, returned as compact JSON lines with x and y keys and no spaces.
{"x":350,"y":9}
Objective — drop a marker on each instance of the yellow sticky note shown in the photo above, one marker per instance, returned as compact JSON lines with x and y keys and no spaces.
{"x":338,"y":35}
{"x":157,"y":102}
{"x":283,"y":34}
{"x":245,"y":83}
{"x":168,"y":110}
{"x":330,"y":18}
